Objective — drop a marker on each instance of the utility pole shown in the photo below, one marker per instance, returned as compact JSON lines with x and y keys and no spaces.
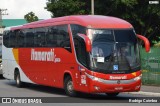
{"x":2,"y":12}
{"x":92,"y":7}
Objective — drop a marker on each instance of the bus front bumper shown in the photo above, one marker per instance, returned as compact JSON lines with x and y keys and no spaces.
{"x":98,"y":85}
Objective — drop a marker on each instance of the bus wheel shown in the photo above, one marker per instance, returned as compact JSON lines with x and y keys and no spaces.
{"x":19,"y":83}
{"x":112,"y":94}
{"x":68,"y":86}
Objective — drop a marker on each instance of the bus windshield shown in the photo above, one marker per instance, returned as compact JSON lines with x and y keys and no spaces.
{"x":114,"y":51}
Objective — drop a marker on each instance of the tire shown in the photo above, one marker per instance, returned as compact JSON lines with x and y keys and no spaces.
{"x":19,"y":83}
{"x":68,"y":87}
{"x":112,"y":94}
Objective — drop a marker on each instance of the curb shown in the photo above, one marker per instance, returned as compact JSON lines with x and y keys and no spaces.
{"x":144,"y":93}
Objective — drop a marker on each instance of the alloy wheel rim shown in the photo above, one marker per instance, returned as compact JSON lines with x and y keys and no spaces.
{"x":70,"y":86}
{"x":18,"y":80}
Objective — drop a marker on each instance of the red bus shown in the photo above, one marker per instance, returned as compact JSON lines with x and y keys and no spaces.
{"x":86,"y":53}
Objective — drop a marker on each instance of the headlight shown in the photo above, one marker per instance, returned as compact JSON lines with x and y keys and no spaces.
{"x":98,"y":79}
{"x":94,"y":78}
{"x":138,"y":78}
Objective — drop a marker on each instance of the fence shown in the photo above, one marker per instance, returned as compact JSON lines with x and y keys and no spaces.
{"x":150,"y":66}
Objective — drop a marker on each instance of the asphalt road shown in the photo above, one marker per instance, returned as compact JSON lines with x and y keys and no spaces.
{"x":8,"y":89}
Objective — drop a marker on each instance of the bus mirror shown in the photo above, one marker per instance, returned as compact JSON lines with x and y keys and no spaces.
{"x":146,"y":42}
{"x":87,"y":42}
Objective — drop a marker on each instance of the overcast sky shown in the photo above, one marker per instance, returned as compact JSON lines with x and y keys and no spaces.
{"x":18,"y":8}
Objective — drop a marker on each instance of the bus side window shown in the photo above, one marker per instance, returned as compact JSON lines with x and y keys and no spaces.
{"x":79,"y":44}
{"x":21,"y":39}
{"x":78,"y":29}
{"x":51,"y":38}
{"x":39,"y":37}
{"x":29,"y":41}
{"x":12,"y":39}
{"x":6,"y":38}
{"x":80,"y":50}
{"x":63,"y":39}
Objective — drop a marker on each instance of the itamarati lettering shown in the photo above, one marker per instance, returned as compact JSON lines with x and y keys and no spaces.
{"x":44,"y":56}
{"x":118,"y":77}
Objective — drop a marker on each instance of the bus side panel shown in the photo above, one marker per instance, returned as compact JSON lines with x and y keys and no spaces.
{"x":6,"y":58}
{"x":11,"y":62}
{"x":35,"y":70}
{"x":64,"y":60}
{"x":48,"y":71}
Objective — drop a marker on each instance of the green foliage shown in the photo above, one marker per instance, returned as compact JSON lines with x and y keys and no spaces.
{"x":143,"y":16}
{"x":156,"y":42}
{"x":31,"y":17}
{"x":66,"y":7}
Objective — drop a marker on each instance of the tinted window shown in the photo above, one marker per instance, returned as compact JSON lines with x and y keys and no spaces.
{"x":39,"y":37}
{"x":78,"y":29}
{"x":81,"y":51}
{"x":127,"y":35}
{"x":79,"y":44}
{"x":102,"y":35}
{"x":21,"y":39}
{"x":51,"y":38}
{"x":62,"y":36}
{"x":55,"y":36}
{"x":6,"y":38}
{"x":58,"y":36}
{"x":29,"y":40}
{"x":12,"y":39}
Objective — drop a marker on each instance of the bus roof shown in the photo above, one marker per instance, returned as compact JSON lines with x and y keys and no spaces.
{"x":9,"y":28}
{"x":98,"y":21}
{"x":90,"y":21}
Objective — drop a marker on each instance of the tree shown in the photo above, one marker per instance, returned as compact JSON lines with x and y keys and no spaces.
{"x":143,"y":16}
{"x":156,"y":42}
{"x":66,"y":7}
{"x":31,"y":17}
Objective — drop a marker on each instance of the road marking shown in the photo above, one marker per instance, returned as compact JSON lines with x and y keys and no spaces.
{"x":144,"y":93}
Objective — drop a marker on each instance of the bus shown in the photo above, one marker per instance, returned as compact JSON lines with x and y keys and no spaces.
{"x":79,"y":53}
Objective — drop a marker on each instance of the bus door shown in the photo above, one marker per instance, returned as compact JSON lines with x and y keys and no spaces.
{"x":82,"y":59}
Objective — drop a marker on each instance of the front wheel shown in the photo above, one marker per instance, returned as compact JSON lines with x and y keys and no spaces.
{"x":68,"y":86}
{"x":112,"y":94}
